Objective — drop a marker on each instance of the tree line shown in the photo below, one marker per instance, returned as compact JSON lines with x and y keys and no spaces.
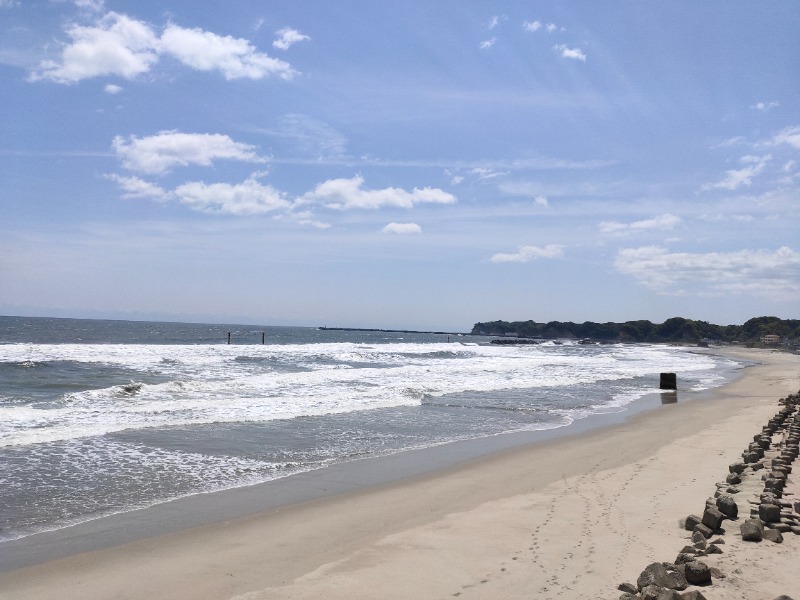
{"x":676,"y":329}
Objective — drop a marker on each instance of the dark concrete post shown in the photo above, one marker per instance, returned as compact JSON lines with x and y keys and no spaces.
{"x":669,"y":381}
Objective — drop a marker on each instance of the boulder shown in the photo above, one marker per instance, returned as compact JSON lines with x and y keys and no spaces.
{"x":733,"y":479}
{"x":705,"y":531}
{"x":693,"y":595}
{"x":656,"y":574}
{"x":691,"y":521}
{"x":651,"y":592}
{"x":685,"y":557}
{"x":728,"y":507}
{"x":698,"y":537}
{"x":773,"y":535}
{"x":769,"y":513}
{"x":713,"y":549}
{"x":629,"y":596}
{"x":712,"y":518}
{"x":628,"y":587}
{"x":752,"y":530}
{"x":669,"y":595}
{"x":737,"y":467}
{"x":697,"y":573}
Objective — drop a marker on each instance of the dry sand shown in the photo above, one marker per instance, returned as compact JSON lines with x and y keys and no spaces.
{"x":568,"y":518}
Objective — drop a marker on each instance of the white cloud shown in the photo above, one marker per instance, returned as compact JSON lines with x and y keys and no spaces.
{"x":764,"y":106}
{"x":312,"y":137}
{"x":541,"y":200}
{"x":574,"y":53}
{"x":532,"y":25}
{"x":494,"y":22}
{"x":348,"y":194}
{"x":551,"y":27}
{"x":661,"y":222}
{"x":288,"y":37}
{"x":761,"y":272}
{"x":790,"y":136}
{"x":235,"y":58}
{"x":90,"y":5}
{"x":736,"y":178}
{"x":159,"y":153}
{"x":484,"y":173}
{"x":134,"y":187}
{"x":457,"y":179}
{"x":247,"y":198}
{"x":112,"y":89}
{"x":402,"y":228}
{"x":486,"y":44}
{"x":529,"y":253}
{"x":116,"y":45}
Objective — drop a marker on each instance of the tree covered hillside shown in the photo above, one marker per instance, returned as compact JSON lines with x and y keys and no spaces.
{"x":676,"y":329}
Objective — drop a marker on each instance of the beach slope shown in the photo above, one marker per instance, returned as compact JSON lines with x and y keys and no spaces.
{"x":565,"y":518}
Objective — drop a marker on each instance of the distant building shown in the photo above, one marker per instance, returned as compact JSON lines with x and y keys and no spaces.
{"x":771,"y":338}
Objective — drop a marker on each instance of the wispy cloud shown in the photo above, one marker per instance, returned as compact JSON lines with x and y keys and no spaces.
{"x":157,"y":154}
{"x":759,"y":272}
{"x":112,"y":89}
{"x":573,"y":53}
{"x":528,"y":253}
{"x":287,"y":37}
{"x":736,"y":178}
{"x":663,"y":222}
{"x":402,"y":229}
{"x":532,"y":25}
{"x":486,"y":44}
{"x":765,"y":106}
{"x":118,"y":45}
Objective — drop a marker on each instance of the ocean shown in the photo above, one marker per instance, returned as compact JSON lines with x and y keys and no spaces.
{"x":103,"y":417}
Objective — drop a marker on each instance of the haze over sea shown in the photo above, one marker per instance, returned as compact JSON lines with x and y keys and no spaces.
{"x":101,"y":417}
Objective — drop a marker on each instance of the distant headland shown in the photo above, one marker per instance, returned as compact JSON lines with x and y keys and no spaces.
{"x":771,"y":330}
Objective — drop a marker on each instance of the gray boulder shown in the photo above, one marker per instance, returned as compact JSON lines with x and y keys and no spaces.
{"x":628,"y":587}
{"x":752,"y":530}
{"x":693,"y":595}
{"x":737,"y":467}
{"x":733,"y":479}
{"x":697,"y":573}
{"x":773,"y":535}
{"x":769,"y":513}
{"x":712,"y":518}
{"x":691,"y":521}
{"x":651,"y":592}
{"x":669,"y":595}
{"x":656,"y":574}
{"x":728,"y":507}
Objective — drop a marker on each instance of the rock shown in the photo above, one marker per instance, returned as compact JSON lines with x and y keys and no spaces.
{"x":693,"y":595}
{"x":691,"y":521}
{"x":752,"y":531}
{"x":713,"y":549}
{"x":733,"y":479}
{"x":728,"y":507}
{"x":698,"y":537}
{"x":628,"y":587}
{"x":773,"y":535}
{"x":795,"y":530}
{"x":751,"y":457}
{"x":656,"y":574}
{"x":783,"y":597}
{"x":629,"y":596}
{"x":718,"y":542}
{"x":757,"y":466}
{"x":651,"y":592}
{"x":712,"y":518}
{"x":689,"y":550}
{"x":705,"y":531}
{"x":769,"y":513}
{"x":737,"y":467}
{"x":684,"y":557}
{"x":697,"y":573}
{"x":669,"y":595}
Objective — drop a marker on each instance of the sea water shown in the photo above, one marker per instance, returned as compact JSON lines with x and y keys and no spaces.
{"x":102,"y":417}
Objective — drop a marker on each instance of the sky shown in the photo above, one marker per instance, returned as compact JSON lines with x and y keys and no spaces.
{"x":419,"y":165}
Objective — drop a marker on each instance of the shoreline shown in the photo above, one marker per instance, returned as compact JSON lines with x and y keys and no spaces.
{"x":345,"y":477}
{"x":468,"y":517}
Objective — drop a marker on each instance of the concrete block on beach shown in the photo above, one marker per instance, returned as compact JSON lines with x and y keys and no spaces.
{"x":669,"y":381}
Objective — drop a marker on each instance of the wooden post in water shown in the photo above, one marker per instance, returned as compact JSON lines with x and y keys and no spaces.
{"x":229,"y":338}
{"x":263,"y":337}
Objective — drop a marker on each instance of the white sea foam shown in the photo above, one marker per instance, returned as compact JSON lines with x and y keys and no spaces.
{"x":226,"y":384}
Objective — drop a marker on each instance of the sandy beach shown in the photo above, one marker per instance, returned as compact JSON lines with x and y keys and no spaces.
{"x":570,"y":517}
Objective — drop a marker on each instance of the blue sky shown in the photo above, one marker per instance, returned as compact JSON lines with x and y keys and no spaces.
{"x":415,"y":165}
